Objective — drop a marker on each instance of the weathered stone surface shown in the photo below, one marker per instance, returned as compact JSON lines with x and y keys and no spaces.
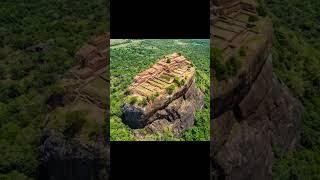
{"x":80,"y":156}
{"x":69,"y":159}
{"x":168,"y":110}
{"x":253,"y":111}
{"x":243,"y":137}
{"x":179,"y":113}
{"x":134,"y":117}
{"x":92,"y":57}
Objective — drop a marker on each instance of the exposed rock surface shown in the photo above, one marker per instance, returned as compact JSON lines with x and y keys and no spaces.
{"x":157,"y":107}
{"x":79,"y":156}
{"x":254,"y":113}
{"x":65,"y":158}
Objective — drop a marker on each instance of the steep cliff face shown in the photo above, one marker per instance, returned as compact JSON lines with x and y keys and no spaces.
{"x":254,"y":113}
{"x":68,"y":158}
{"x":163,"y":97}
{"x":74,"y":137}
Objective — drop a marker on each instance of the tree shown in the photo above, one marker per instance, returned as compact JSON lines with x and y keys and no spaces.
{"x":74,"y":121}
{"x":170,"y":89}
{"x":2,"y":72}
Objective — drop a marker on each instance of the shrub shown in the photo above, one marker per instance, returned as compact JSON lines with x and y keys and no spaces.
{"x":2,"y":72}
{"x":168,"y":61}
{"x":132,"y":100}
{"x":233,"y":65}
{"x":127,"y":92}
{"x":253,"y":18}
{"x":74,"y":121}
{"x":170,"y":89}
{"x":261,"y":11}
{"x":143,"y":102}
{"x":218,"y":66}
{"x":227,"y":69}
{"x":183,"y":82}
{"x":153,"y":97}
{"x":242,"y":52}
{"x":179,"y":82}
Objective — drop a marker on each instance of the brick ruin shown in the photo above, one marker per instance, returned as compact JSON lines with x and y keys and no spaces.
{"x":227,"y":7}
{"x":161,"y":75}
{"x":253,"y":111}
{"x":166,"y":97}
{"x":82,"y":81}
{"x":92,"y":56}
{"x":85,"y":90}
{"x":230,"y":26}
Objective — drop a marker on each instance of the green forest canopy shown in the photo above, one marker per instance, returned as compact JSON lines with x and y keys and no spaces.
{"x":27,"y":78}
{"x":297,"y":62}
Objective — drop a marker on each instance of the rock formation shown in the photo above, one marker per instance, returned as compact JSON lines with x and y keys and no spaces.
{"x":253,"y":112}
{"x":163,"y":96}
{"x":84,"y":155}
{"x":92,"y":57}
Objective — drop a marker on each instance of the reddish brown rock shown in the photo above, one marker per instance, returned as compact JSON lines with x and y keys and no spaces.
{"x":80,"y":155}
{"x":92,"y":56}
{"x":156,"y":105}
{"x":253,"y":111}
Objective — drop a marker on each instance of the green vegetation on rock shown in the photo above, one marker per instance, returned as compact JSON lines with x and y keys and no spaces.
{"x":132,"y":100}
{"x":28,"y":74}
{"x":225,"y":69}
{"x":179,"y":82}
{"x":74,"y":122}
{"x":152,"y":97}
{"x":170,"y":89}
{"x":141,"y":54}
{"x":296,"y":59}
{"x":253,"y":18}
{"x":242,"y":52}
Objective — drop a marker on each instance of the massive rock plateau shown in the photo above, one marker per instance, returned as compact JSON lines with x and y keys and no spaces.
{"x":85,"y":153}
{"x":163,"y":96}
{"x":253,"y":112}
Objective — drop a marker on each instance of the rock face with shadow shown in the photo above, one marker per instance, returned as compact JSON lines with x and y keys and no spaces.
{"x":74,"y":140}
{"x":254,"y":114}
{"x":65,"y":158}
{"x":163,"y":97}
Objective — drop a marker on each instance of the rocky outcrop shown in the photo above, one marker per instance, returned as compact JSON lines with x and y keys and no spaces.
{"x":164,"y":96}
{"x":179,"y":114}
{"x":254,"y":113}
{"x":83,"y":154}
{"x":65,"y":158}
{"x":92,"y":56}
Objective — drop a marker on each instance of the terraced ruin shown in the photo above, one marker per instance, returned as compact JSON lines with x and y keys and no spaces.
{"x":253,"y":111}
{"x":85,"y":91}
{"x":87,"y":81}
{"x":151,"y":96}
{"x":237,"y":27}
{"x":172,"y":71}
{"x":85,"y":84}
